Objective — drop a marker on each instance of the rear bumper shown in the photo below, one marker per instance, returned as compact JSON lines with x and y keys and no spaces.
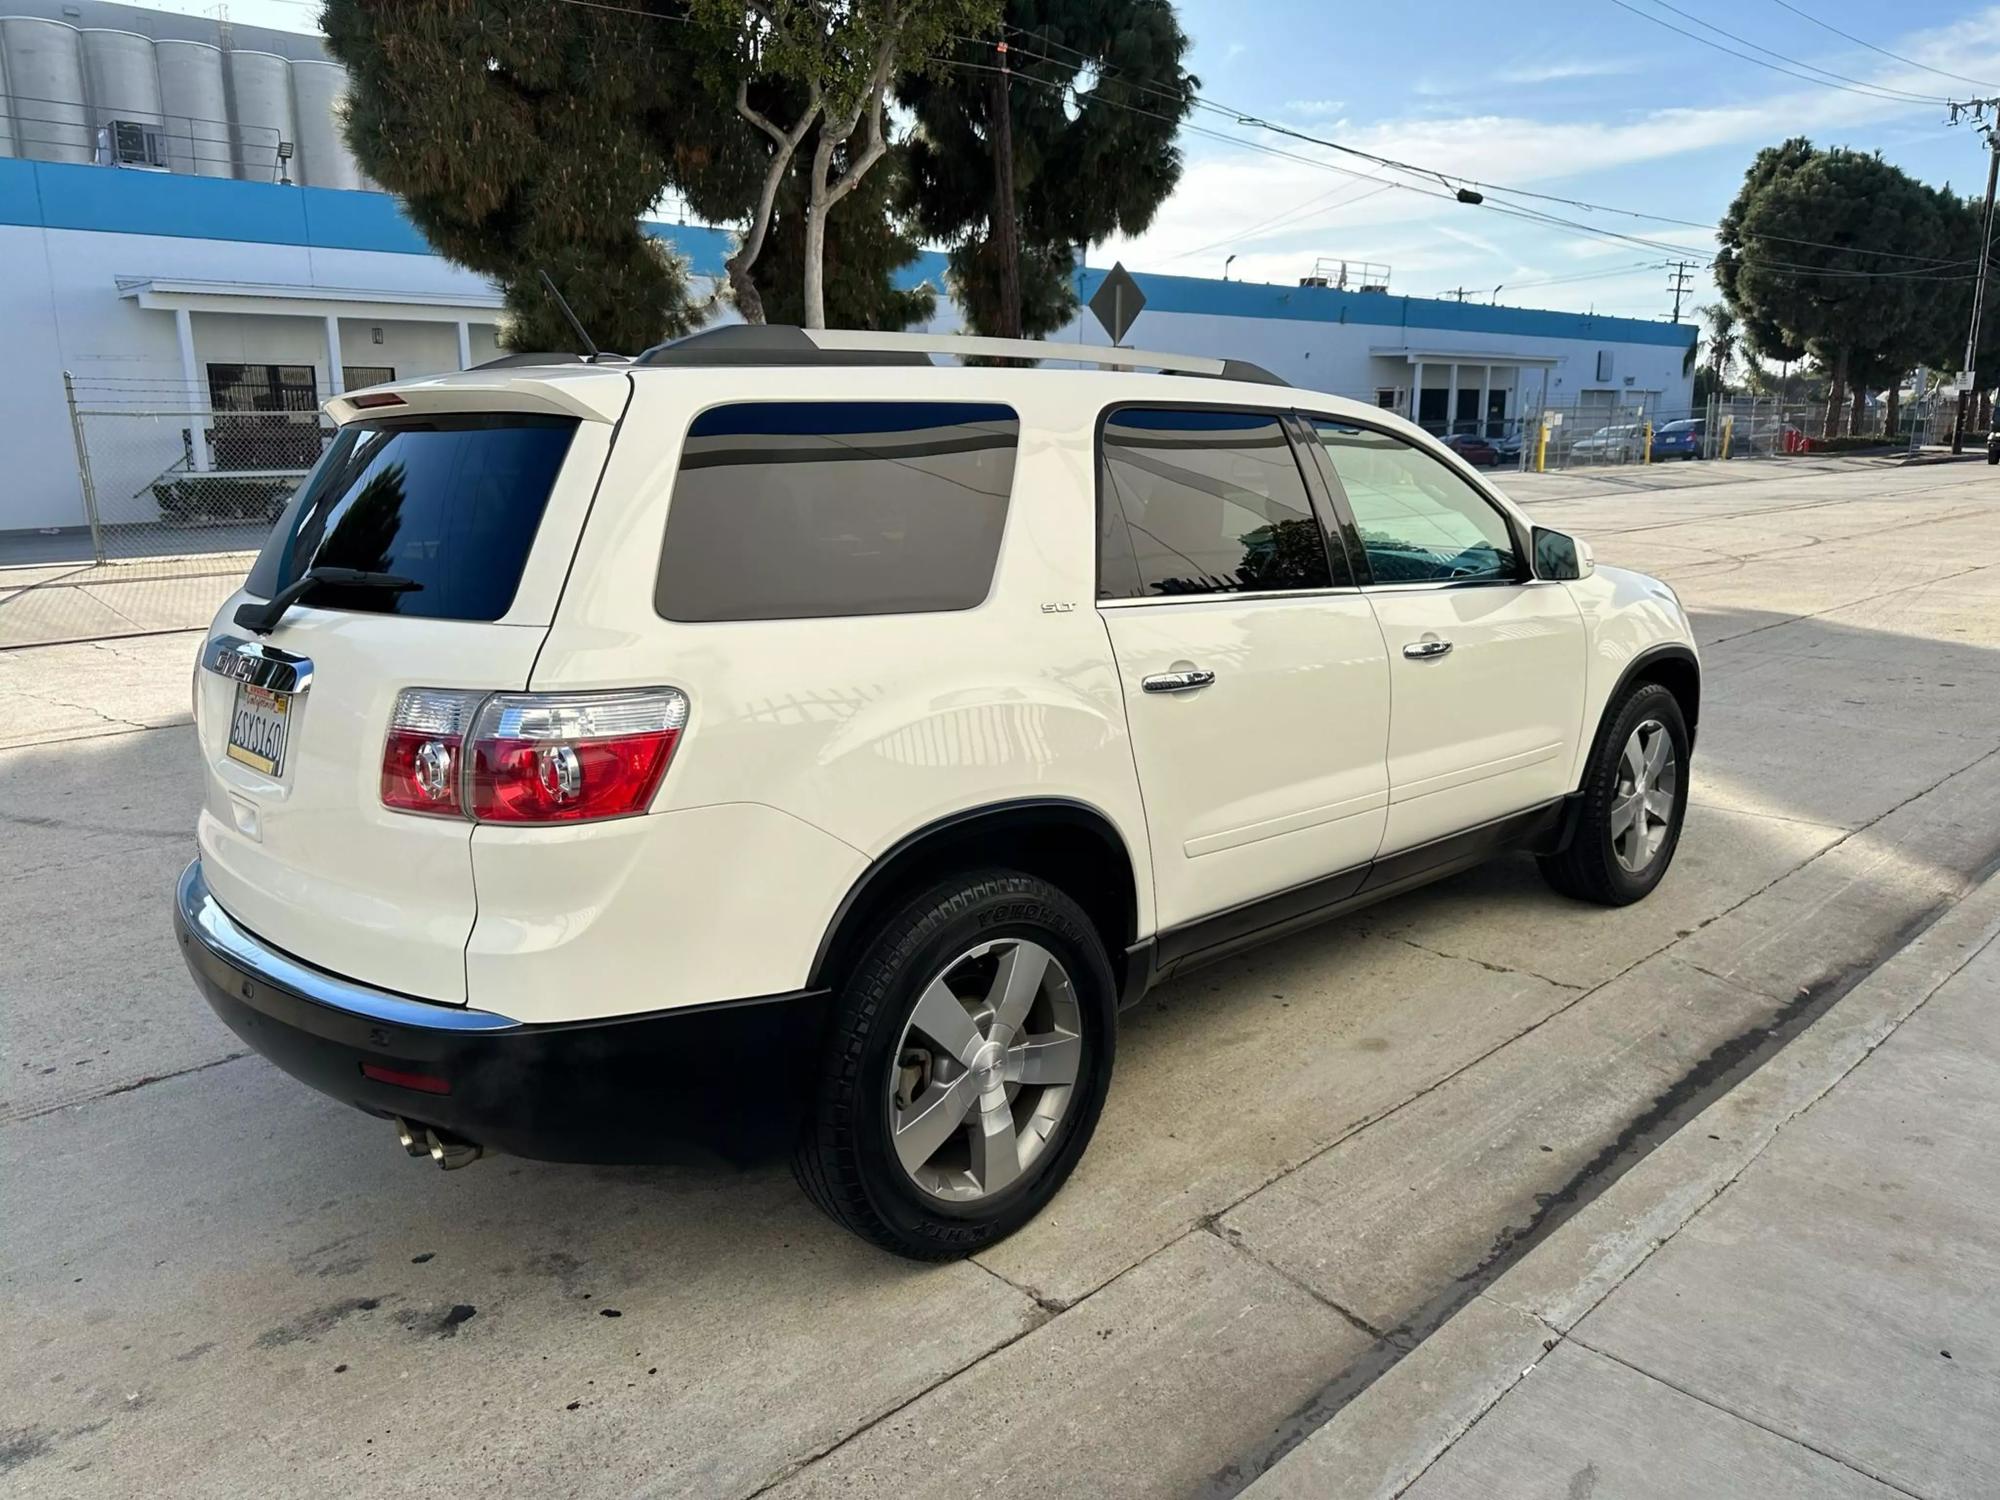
{"x":731,"y":1080}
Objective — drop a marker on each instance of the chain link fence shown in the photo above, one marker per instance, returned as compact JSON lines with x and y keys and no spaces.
{"x":173,"y":500}
{"x":1595,"y":434}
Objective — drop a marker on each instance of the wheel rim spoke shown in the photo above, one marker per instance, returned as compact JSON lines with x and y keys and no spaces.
{"x":1016,"y":982}
{"x":933,"y":1119}
{"x":1656,"y":754}
{"x":1623,"y":811}
{"x":1634,"y":761}
{"x":996,"y":1145}
{"x":1049,"y":1060}
{"x":941,"y":1017}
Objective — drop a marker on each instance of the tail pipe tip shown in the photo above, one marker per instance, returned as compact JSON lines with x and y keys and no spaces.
{"x":450,"y":1152}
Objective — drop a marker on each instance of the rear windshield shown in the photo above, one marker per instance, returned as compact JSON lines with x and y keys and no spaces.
{"x":451,"y":502}
{"x":802,"y":509}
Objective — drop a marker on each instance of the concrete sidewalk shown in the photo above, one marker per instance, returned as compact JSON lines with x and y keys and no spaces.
{"x":1797,"y":1295}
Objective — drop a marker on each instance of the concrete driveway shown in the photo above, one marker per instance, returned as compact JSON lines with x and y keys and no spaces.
{"x":216,"y":1282}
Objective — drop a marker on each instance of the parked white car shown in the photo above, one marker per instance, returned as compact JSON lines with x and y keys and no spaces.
{"x":783,"y":741}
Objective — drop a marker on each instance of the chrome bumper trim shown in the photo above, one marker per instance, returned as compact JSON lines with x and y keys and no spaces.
{"x":217,"y":931}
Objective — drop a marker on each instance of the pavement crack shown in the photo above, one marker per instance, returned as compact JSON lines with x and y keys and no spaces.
{"x":1490,"y":967}
{"x":1730,"y":1411}
{"x":11,"y":1118}
{"x":1354,"y":1320}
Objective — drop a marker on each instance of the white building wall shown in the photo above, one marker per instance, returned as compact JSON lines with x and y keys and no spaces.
{"x":1337,"y":358}
{"x":64,"y":311}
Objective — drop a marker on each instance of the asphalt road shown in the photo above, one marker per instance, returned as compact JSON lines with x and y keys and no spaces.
{"x":216,"y":1282}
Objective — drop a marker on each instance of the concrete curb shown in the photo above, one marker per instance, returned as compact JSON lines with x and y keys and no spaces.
{"x":1380,"y":1442}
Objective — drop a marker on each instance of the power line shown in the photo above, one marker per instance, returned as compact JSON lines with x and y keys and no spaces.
{"x":1859,"y":42}
{"x":1243,"y":117}
{"x":1867,"y":91}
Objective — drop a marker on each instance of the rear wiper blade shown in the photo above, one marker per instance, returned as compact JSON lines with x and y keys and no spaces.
{"x":263,"y":618}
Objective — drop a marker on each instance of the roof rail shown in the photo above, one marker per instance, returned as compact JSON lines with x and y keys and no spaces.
{"x":748,"y":344}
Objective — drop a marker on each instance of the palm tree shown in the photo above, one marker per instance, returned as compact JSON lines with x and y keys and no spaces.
{"x":1721,"y":340}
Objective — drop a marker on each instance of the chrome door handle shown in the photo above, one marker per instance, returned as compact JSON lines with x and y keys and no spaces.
{"x":1178,"y":682}
{"x":1425,"y":649}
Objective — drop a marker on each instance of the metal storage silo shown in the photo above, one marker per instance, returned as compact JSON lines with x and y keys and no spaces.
{"x":196,"y":107}
{"x":319,"y":88}
{"x":45,"y":75}
{"x":261,"y":84}
{"x":6,"y":110}
{"x":118,"y":72}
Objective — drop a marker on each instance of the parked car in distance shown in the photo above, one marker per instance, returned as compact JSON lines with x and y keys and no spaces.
{"x":1475,"y":450}
{"x":1682,"y":439}
{"x":779,"y":741}
{"x":1618,"y":445}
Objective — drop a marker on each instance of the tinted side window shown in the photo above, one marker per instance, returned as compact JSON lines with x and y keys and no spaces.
{"x":452,"y":502}
{"x":795,"y":510}
{"x":1419,"y":522}
{"x":1212,"y":502}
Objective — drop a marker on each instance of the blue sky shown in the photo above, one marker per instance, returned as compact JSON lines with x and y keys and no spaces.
{"x":1578,"y":99}
{"x":1584,"y":100}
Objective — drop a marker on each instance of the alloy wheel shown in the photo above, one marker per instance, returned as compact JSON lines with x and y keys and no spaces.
{"x":1642,"y":808}
{"x":984,"y":1072}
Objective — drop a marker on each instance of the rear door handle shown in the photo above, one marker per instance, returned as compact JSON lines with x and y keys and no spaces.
{"x":1178,"y":682}
{"x":1428,"y":647}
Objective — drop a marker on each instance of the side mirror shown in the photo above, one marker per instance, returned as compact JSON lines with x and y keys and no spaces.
{"x":1560,"y":557}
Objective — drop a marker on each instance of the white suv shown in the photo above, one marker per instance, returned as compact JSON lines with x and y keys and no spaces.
{"x":783,"y":740}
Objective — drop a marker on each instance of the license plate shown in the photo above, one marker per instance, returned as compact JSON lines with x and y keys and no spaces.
{"x":258,"y":728}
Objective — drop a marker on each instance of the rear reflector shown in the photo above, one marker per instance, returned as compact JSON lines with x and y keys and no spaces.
{"x":423,"y":1083}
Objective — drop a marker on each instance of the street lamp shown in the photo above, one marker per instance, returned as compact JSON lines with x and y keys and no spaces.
{"x":1226,"y":265}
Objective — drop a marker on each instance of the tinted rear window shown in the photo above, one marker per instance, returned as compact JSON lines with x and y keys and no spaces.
{"x":796,"y":510}
{"x":452,"y":502}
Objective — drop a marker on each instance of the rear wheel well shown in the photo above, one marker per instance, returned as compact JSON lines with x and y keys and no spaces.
{"x":1072,"y":846}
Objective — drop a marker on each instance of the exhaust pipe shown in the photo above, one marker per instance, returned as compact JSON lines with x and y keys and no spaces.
{"x":449,"y":1151}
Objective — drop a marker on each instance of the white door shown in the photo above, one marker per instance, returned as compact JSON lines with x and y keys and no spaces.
{"x":1486,"y":665}
{"x":1255,"y":678}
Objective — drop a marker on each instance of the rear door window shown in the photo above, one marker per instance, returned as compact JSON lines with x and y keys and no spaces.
{"x":451,"y":502}
{"x":1205,"y":502}
{"x":805,"y":509}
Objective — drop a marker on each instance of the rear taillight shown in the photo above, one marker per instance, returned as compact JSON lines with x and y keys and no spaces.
{"x":530,"y":757}
{"x":423,"y":758}
{"x":568,"y":758}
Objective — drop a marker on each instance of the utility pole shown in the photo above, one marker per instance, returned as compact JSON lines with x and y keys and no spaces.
{"x":1680,"y":287}
{"x":1977,"y":108}
{"x":1006,"y":229}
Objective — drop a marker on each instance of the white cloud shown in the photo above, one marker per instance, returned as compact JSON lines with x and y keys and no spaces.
{"x":1313,"y":109}
{"x":1559,"y":70}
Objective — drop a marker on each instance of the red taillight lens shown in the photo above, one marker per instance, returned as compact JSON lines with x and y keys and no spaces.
{"x":571,"y":757}
{"x":421,"y":759}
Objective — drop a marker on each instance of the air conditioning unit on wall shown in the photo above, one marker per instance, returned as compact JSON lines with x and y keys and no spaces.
{"x":132,"y":143}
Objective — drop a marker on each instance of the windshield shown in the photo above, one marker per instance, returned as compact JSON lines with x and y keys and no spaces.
{"x":449,"y":502}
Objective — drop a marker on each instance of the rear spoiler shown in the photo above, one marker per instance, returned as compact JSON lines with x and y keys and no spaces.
{"x":594,"y":393}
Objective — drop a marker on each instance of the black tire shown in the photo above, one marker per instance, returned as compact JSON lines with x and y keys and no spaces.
{"x":845,"y":1158}
{"x":1588,"y":868}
